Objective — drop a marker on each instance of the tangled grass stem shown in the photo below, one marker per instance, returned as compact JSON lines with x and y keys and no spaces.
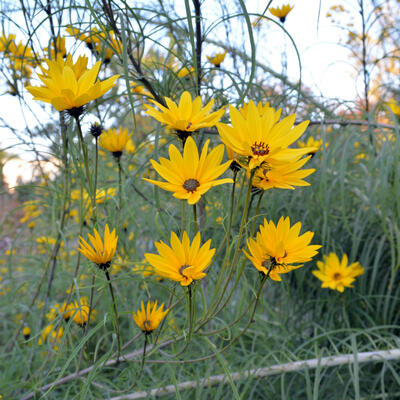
{"x":115,"y":314}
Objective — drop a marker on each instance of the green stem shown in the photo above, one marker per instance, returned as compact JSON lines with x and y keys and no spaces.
{"x":183,"y":218}
{"x":196,"y":226}
{"x":119,"y":192}
{"x":143,"y":354}
{"x":256,"y":213}
{"x":115,"y":314}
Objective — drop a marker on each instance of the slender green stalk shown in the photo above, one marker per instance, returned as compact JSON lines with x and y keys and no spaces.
{"x":195,"y":223}
{"x":256,"y":213}
{"x":172,"y":294}
{"x":143,"y":354}
{"x":183,"y":218}
{"x":115,"y":314}
{"x":119,"y":192}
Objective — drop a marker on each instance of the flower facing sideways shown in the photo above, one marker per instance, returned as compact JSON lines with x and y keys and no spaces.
{"x":278,"y":247}
{"x":190,"y":176}
{"x":69,"y":85}
{"x":148,"y":319}
{"x":80,"y":311}
{"x":101,"y":254}
{"x":182,"y":262}
{"x":259,"y":139}
{"x":284,"y":176}
{"x":217,"y":59}
{"x":186,"y":117}
{"x":115,"y":140}
{"x":281,"y":12}
{"x":335,"y":274}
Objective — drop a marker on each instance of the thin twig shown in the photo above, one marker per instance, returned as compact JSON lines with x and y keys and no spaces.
{"x":295,"y":366}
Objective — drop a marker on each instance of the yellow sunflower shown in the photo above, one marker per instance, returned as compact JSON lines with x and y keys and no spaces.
{"x":79,"y":310}
{"x":217,"y":59}
{"x":148,"y":319}
{"x":182,"y":262}
{"x":336,"y":274}
{"x":190,"y":176}
{"x":260,"y":139}
{"x":283,"y":176}
{"x":115,"y":140}
{"x":394,"y":106}
{"x":101,"y":254}
{"x":281,"y":12}
{"x":69,"y":86}
{"x":278,"y":247}
{"x":313,"y":144}
{"x":186,"y":117}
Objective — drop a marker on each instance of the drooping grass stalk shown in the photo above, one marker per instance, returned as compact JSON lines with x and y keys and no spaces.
{"x":115,"y":314}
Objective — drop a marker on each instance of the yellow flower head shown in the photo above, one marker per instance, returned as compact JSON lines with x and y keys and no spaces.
{"x":89,"y":38}
{"x":148,"y":319}
{"x":281,"y":12}
{"x":313,"y":144}
{"x":130,"y":146}
{"x":283,"y":176}
{"x":5,"y":42}
{"x":260,"y":139}
{"x":60,"y":48}
{"x":335,"y":274}
{"x":278,"y":247}
{"x":79,"y":311}
{"x":188,"y":116}
{"x":101,"y":254}
{"x":190,"y":176}
{"x":26,"y":332}
{"x":182,"y":262}
{"x":183,"y":72}
{"x":69,"y":86}
{"x":395,"y":108}
{"x":261,"y":108}
{"x":115,"y":141}
{"x":217,"y":59}
{"x":52,"y":335}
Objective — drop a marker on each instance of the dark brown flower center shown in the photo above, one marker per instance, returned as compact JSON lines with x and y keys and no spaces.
{"x":181,"y":269}
{"x":147,"y":325}
{"x":337,"y":276}
{"x":260,"y":149}
{"x":191,"y":185}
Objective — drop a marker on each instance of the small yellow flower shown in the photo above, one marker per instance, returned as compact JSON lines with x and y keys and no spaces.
{"x":148,"y":319}
{"x":58,"y":49}
{"x":183,"y":72}
{"x":190,"y":176}
{"x":335,"y":274}
{"x":283,"y":176}
{"x":394,"y":106}
{"x":261,"y":108}
{"x":69,"y":86}
{"x":26,"y":332}
{"x":217,"y":59}
{"x":281,"y":12}
{"x":259,"y":140}
{"x":182,"y":262}
{"x":278,"y":247}
{"x":188,"y":116}
{"x":115,"y":141}
{"x":5,"y":42}
{"x":101,"y":254}
{"x":79,"y":311}
{"x":52,"y":335}
{"x":314,"y":144}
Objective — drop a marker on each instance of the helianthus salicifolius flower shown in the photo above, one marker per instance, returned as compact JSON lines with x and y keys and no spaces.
{"x":278,"y":247}
{"x":189,"y":175}
{"x":281,"y":12}
{"x":183,"y":262}
{"x":217,"y":59}
{"x":69,"y":86}
{"x":259,"y":140}
{"x":149,"y":318}
{"x":185,"y":117}
{"x":26,"y":332}
{"x":79,"y":310}
{"x":336,"y":274}
{"x":115,"y":140}
{"x":394,"y":107}
{"x":313,"y":144}
{"x":98,"y":252}
{"x":283,"y":176}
